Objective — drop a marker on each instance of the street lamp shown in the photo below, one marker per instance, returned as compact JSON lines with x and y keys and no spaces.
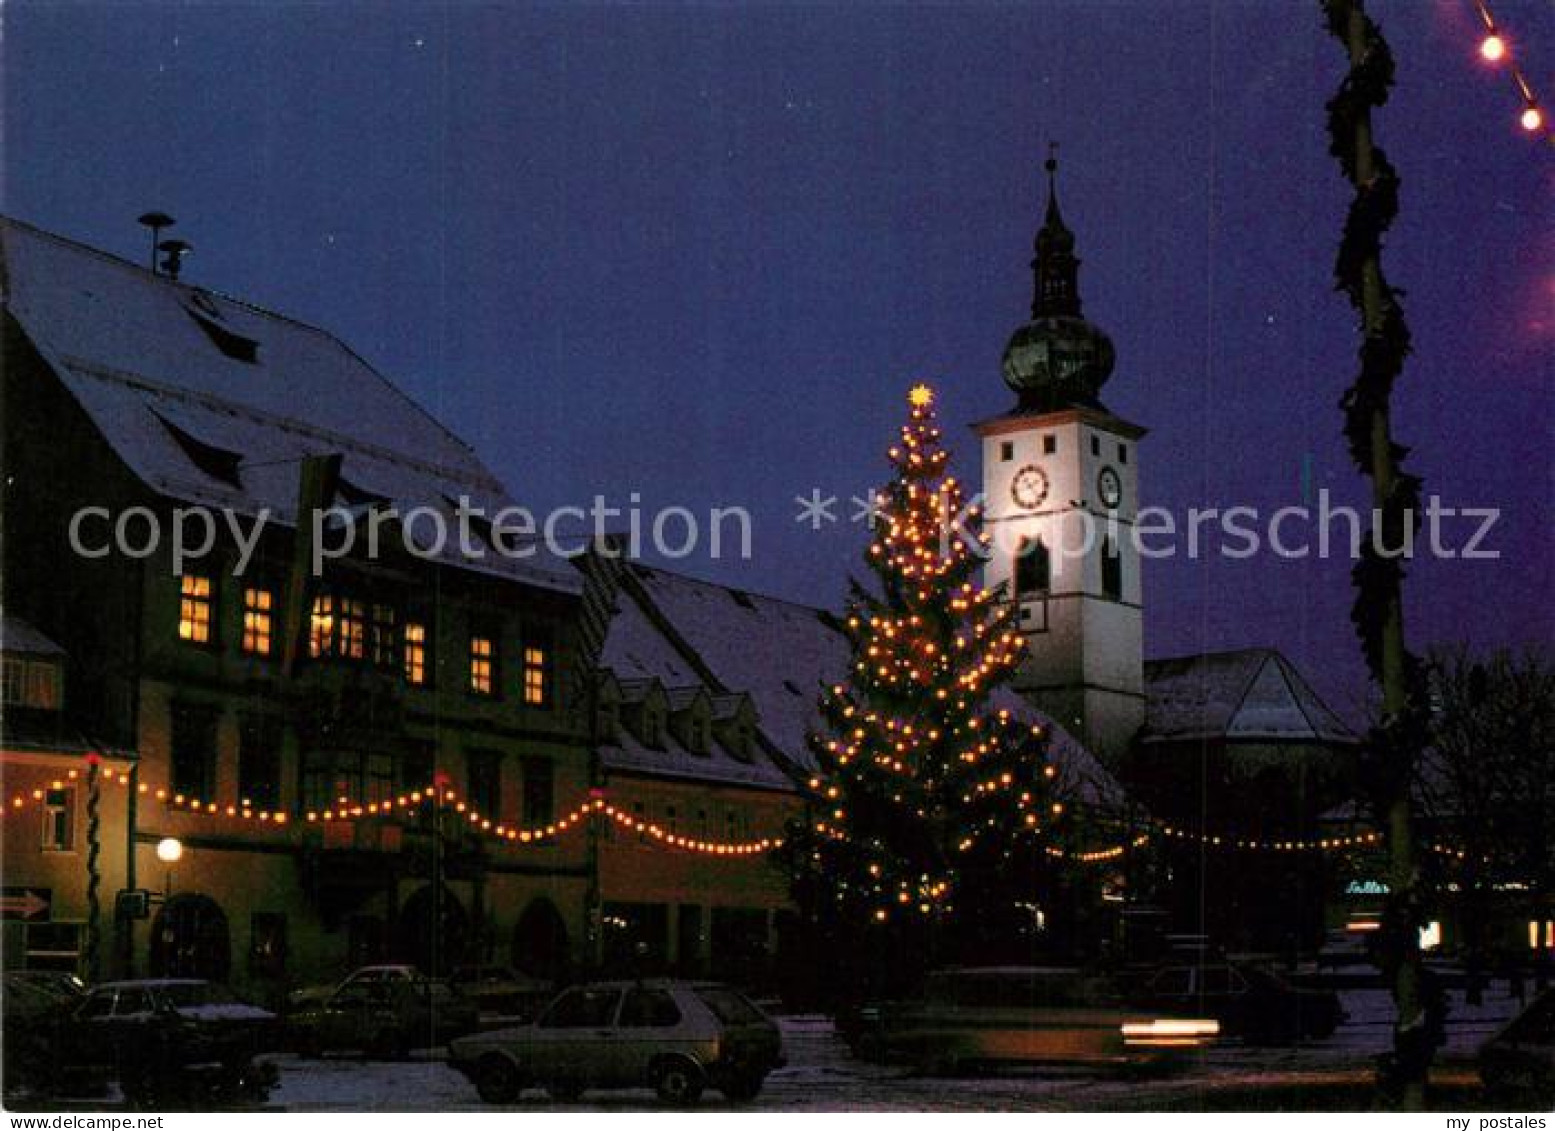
{"x":170,"y":850}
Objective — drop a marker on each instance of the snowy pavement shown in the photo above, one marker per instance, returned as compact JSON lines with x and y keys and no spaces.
{"x":821,"y":1075}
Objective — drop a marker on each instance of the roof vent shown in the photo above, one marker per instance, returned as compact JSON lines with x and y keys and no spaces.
{"x":156,"y":221}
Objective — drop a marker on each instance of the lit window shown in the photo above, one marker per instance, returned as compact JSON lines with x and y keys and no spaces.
{"x":321,"y":626}
{"x":353,"y":629}
{"x":1431,"y":935}
{"x":383,"y":636}
{"x":194,"y":609}
{"x":59,"y":820}
{"x":482,"y":664}
{"x":415,"y":653}
{"x":258,"y":620}
{"x":536,"y":689}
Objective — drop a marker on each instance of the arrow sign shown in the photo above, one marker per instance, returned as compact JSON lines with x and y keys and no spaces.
{"x":24,"y":903}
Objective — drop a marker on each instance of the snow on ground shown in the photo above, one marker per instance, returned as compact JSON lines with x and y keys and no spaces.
{"x":821,"y":1075}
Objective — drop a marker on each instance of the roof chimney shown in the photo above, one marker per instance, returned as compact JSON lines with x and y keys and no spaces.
{"x":173,"y":252}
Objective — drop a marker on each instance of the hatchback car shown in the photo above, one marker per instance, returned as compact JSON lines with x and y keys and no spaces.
{"x":164,"y":1036}
{"x":1517,"y":1065}
{"x":384,"y":1017}
{"x":675,"y":1037}
{"x":1026,"y":1015}
{"x":1257,"y":1006}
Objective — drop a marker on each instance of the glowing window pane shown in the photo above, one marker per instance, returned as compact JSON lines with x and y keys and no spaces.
{"x":194,"y":609}
{"x":258,"y":621}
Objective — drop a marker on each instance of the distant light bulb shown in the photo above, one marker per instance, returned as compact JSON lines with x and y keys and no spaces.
{"x":1493,"y":48}
{"x":1532,"y":119}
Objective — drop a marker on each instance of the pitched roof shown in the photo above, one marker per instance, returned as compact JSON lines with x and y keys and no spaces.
{"x":18,"y":636}
{"x":782,"y":654}
{"x":638,"y":652}
{"x":151,"y":362}
{"x":1253,"y":695}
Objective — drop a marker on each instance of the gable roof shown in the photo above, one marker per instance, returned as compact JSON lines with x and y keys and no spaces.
{"x":141,"y":354}
{"x":782,"y":654}
{"x":1253,"y":695}
{"x":18,"y":637}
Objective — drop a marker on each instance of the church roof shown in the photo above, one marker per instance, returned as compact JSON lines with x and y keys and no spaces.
{"x":214,"y":401}
{"x":782,"y":654}
{"x":1254,"y":695}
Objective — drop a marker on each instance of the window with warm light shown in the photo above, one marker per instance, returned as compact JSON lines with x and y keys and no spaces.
{"x":352,"y":628}
{"x":59,"y":819}
{"x":415,"y":649}
{"x":483,"y":664}
{"x":537,"y":691}
{"x":194,"y":609}
{"x":258,"y":620}
{"x":321,"y":626}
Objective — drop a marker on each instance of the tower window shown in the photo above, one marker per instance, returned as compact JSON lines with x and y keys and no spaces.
{"x":1095,"y":444}
{"x":1033,"y":568}
{"x":1111,"y":570}
{"x":1122,"y":453}
{"x":1007,"y":451}
{"x":321,"y":626}
{"x":1049,"y":445}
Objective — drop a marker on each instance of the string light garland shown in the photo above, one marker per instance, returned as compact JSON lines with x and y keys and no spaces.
{"x":410,"y":803}
{"x":1495,"y":49}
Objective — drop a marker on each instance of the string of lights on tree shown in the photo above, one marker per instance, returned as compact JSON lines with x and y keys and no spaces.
{"x":924,"y":796}
{"x":1496,"y":49}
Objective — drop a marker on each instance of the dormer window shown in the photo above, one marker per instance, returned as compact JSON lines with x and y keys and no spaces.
{"x":219,"y":463}
{"x":653,"y":728}
{"x":29,"y":683}
{"x":208,"y":317}
{"x":609,"y":720}
{"x":699,"y":734}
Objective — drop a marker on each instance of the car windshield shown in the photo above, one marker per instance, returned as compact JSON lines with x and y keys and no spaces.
{"x":184,"y":994}
{"x":729,"y":1006}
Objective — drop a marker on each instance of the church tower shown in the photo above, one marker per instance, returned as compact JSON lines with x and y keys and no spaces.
{"x":1060,"y":489}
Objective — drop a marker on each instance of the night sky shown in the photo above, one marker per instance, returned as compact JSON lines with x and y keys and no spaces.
{"x":700,"y":252}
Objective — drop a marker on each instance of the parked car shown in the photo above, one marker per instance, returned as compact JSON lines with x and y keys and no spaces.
{"x":168,"y":1037}
{"x":675,"y":1037}
{"x":500,"y":992}
{"x":1026,"y":1015}
{"x":1255,"y":1005}
{"x":385,"y":1017}
{"x":1517,"y":1065}
{"x":308,"y":996}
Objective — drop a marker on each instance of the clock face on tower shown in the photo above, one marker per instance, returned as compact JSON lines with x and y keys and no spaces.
{"x":1029,"y":487}
{"x":1109,"y":487}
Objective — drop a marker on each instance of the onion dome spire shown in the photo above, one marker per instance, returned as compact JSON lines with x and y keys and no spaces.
{"x":1058,"y":359}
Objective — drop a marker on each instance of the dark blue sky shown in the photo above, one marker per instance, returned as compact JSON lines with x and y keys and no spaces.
{"x":698,"y":252}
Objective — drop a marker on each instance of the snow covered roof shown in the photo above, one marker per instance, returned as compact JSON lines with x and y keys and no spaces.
{"x":17,"y":636}
{"x":782,"y":654}
{"x":640,"y":654}
{"x":1254,"y":695}
{"x":210,"y":400}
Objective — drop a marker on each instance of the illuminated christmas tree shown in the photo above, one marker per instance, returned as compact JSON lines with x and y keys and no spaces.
{"x":932,"y":809}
